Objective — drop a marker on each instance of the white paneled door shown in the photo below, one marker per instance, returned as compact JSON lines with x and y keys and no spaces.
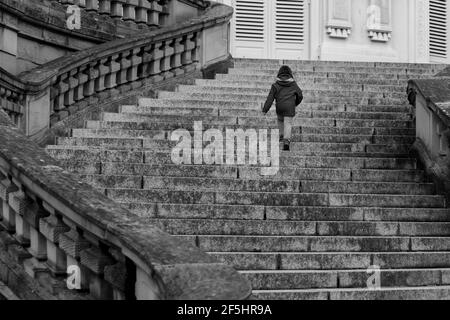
{"x":269,"y":29}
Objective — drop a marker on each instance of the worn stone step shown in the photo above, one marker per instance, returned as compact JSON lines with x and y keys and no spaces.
{"x":373,"y":139}
{"x":333,"y":261}
{"x":341,"y":69}
{"x":400,"y":293}
{"x":358,"y":213}
{"x":313,"y":92}
{"x":287,"y":159}
{"x":181,"y":184}
{"x":333,"y":279}
{"x":217,"y":243}
{"x":162,"y":104}
{"x":322,"y":97}
{"x":324,"y":84}
{"x":376,"y":64}
{"x":328,"y":111}
{"x":142,"y":122}
{"x":245,"y":212}
{"x":318,"y":78}
{"x":302,"y":228}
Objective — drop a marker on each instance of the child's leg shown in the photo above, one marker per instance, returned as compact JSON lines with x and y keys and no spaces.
{"x":281,"y":125}
{"x":288,"y":127}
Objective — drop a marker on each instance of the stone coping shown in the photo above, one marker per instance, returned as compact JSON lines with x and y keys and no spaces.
{"x":182,"y":271}
{"x":40,"y":78}
{"x":436,"y":91}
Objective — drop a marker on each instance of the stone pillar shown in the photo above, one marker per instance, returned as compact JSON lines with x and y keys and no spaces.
{"x":419,"y":30}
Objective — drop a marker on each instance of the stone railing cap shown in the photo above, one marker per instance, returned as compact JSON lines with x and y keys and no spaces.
{"x":436,"y":90}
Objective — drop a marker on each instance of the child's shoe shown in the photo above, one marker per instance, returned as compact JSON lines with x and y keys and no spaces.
{"x":287,"y":145}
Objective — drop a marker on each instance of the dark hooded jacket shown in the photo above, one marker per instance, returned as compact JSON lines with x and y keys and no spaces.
{"x":286,"y":92}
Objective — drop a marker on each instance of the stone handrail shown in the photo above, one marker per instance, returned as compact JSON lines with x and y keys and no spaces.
{"x":53,"y":89}
{"x":68,"y":225}
{"x":431,"y":99}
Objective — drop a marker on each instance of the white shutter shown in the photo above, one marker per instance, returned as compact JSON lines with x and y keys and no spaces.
{"x":438,"y":29}
{"x":249,"y":20}
{"x":290,"y":21}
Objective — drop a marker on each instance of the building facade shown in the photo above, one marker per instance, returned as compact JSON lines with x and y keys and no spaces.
{"x":414,"y":31}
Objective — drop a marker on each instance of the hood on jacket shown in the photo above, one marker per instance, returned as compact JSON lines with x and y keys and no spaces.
{"x":285,"y":76}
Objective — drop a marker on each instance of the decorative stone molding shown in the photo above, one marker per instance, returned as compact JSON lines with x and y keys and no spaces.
{"x":339,"y":23}
{"x":380,"y":35}
{"x":379,"y":19}
{"x":339,"y":32}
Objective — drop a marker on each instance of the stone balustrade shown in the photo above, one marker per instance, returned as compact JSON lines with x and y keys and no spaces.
{"x":59,"y":225}
{"x":12,"y":97}
{"x":431,"y":99}
{"x":70,"y":83}
{"x":151,"y":13}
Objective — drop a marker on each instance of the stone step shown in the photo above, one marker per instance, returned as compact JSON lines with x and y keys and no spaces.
{"x":334,"y":279}
{"x":238,"y":113}
{"x":176,"y":107}
{"x":331,"y":74}
{"x":301,"y":228}
{"x":279,"y":63}
{"x":292,"y":186}
{"x":245,"y":212}
{"x":276,"y":199}
{"x":386,"y":112}
{"x":332,"y":90}
{"x":252,"y":243}
{"x":317,"y":78}
{"x":412,"y":71}
{"x":317,"y":97}
{"x":233,"y":172}
{"x":303,"y":134}
{"x":333,"y":261}
{"x":322,"y":84}
{"x":187,"y":122}
{"x":399,"y":293}
{"x":88,"y":154}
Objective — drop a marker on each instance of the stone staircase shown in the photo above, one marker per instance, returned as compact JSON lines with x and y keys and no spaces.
{"x":348,"y":196}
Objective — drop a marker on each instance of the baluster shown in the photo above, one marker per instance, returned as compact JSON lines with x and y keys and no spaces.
{"x":96,"y":259}
{"x":114,"y":67}
{"x":52,"y":227}
{"x":72,"y":80}
{"x":186,"y":56}
{"x":196,"y":50}
{"x":129,"y":10}
{"x":153,"y":16}
{"x":124,"y":65}
{"x":155,"y":65}
{"x":175,"y":62}
{"x":92,"y":74}
{"x":38,"y":243}
{"x":102,"y":72}
{"x":9,"y":220}
{"x":142,"y":12}
{"x":92,"y":5}
{"x":81,"y":3}
{"x":168,"y":51}
{"x":116,"y":274}
{"x":135,"y":59}
{"x":104,"y":7}
{"x":18,"y":202}
{"x":82,"y":79}
{"x":72,"y":243}
{"x":62,"y":87}
{"x":117,"y":9}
